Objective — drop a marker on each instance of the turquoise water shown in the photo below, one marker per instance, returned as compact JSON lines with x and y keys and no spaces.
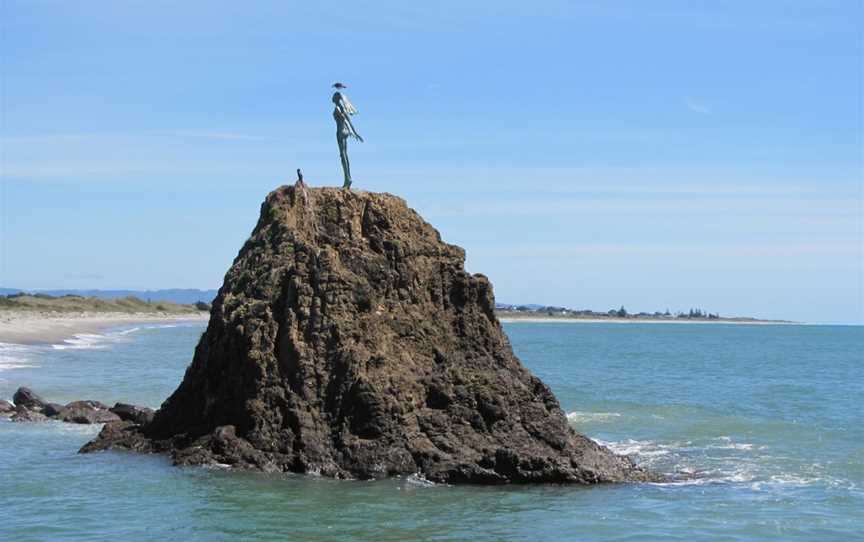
{"x":764,"y":420}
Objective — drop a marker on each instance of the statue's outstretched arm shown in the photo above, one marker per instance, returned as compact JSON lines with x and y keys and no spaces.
{"x":353,"y":130}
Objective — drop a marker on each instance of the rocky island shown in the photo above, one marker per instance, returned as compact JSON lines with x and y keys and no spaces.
{"x":348,"y":340}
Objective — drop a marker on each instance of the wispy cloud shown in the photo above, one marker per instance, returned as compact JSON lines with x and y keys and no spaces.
{"x":84,"y":276}
{"x":740,"y":252}
{"x":118,"y":154}
{"x":696,"y":106}
{"x":227,"y":136}
{"x":72,"y":137}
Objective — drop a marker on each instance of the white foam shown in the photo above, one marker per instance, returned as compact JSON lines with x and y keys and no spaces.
{"x":740,"y":463}
{"x":733,"y":446}
{"x":588,"y":417}
{"x":643,"y":448}
{"x":80,"y":341}
{"x":94,"y":341}
{"x":15,"y":356}
{"x":729,"y":444}
{"x":418,"y":480}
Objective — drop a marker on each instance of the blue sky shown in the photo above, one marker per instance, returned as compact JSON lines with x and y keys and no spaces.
{"x":588,"y":154}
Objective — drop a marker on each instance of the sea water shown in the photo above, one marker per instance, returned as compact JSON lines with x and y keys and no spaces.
{"x":762,"y":426}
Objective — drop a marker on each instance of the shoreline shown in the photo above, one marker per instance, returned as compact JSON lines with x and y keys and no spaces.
{"x":552,"y":319}
{"x":39,"y":327}
{"x":34,"y":328}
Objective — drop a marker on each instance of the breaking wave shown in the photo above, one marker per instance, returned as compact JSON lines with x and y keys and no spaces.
{"x":94,"y":340}
{"x":591,"y":417}
{"x":722,"y":460}
{"x":15,"y":356}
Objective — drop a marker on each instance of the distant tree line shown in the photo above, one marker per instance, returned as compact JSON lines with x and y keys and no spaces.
{"x":621,"y":312}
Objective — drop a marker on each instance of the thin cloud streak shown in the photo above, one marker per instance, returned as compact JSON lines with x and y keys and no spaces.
{"x":696,"y":106}
{"x":97,"y":137}
{"x":226,"y":136}
{"x":665,"y":250}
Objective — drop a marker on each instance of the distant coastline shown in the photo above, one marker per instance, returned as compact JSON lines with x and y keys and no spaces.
{"x":43,"y":319}
{"x":176,"y":295}
{"x":70,"y":303}
{"x":550,"y":313}
{"x":537,"y":316}
{"x":508,"y":318}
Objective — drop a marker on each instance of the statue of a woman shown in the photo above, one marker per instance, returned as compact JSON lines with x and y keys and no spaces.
{"x":342,"y":115}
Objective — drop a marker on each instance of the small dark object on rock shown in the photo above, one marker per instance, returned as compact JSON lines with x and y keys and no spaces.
{"x":27,"y":398}
{"x":132,"y":413}
{"x":301,"y":186}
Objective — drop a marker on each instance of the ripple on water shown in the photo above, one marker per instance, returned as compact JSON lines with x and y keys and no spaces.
{"x":16,"y":356}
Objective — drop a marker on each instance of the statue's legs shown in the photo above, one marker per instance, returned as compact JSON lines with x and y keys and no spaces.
{"x":346,"y":166}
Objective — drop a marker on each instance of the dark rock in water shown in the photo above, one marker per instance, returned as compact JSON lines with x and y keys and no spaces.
{"x":348,"y":340}
{"x":52,"y":409}
{"x":98,"y":405}
{"x":32,"y":408}
{"x":25,"y":397}
{"x":25,"y":415}
{"x":132,"y":413}
{"x":6,"y":408}
{"x":123,"y":435}
{"x":87,"y":412}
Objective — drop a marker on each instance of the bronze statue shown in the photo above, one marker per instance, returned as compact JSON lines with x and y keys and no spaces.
{"x":342,"y":115}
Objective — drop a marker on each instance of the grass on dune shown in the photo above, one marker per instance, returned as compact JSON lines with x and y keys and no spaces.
{"x":74,"y":303}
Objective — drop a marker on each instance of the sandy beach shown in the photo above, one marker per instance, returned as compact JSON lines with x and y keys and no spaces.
{"x":20,"y":327}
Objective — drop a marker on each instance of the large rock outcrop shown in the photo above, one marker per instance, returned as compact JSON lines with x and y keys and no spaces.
{"x":348,"y":340}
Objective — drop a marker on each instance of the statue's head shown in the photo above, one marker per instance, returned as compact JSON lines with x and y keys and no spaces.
{"x":338,"y":94}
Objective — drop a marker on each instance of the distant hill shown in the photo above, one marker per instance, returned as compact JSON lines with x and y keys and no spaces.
{"x":175,"y":295}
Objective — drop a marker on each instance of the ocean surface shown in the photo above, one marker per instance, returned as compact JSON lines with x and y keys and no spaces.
{"x":764,"y":423}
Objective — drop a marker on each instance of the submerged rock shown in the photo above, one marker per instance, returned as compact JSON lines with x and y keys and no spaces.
{"x":348,"y":340}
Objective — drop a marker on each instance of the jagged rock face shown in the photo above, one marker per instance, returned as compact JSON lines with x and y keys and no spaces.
{"x":348,"y":340}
